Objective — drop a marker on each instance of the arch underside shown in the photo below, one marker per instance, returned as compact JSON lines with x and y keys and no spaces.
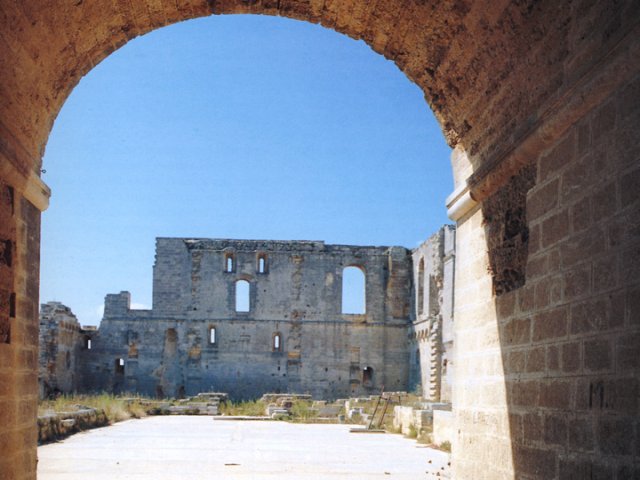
{"x":463,"y":54}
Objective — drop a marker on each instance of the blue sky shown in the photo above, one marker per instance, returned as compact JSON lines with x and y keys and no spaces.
{"x":233,"y":127}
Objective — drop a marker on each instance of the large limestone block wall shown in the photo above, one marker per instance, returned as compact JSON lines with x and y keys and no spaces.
{"x":510,"y":83}
{"x":431,"y":333}
{"x":19,"y":275}
{"x":301,"y":278}
{"x":61,"y":343}
{"x":548,"y":372}
{"x":295,"y":294}
{"x":571,"y":335}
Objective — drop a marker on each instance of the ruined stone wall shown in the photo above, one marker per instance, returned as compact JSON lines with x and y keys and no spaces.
{"x":431,"y":336}
{"x":61,"y":341}
{"x":448,"y":303}
{"x":295,"y":294}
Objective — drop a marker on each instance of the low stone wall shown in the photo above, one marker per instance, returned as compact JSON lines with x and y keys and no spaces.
{"x":55,"y":426}
{"x":405,"y":418}
{"x":443,"y":426}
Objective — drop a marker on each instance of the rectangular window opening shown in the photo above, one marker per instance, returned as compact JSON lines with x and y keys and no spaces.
{"x":119,"y":366}
{"x":212,"y":336}
{"x":6,"y":252}
{"x":242,"y":296}
{"x":12,"y":305}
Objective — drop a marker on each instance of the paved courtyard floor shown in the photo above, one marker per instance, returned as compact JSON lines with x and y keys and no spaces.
{"x":182,"y":447}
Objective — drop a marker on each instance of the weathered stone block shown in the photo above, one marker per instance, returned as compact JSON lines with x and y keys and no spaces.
{"x":626,"y":349}
{"x":628,"y":472}
{"x":525,"y":393}
{"x":629,"y":188}
{"x":555,"y":394}
{"x":632,"y":307}
{"x":597,"y":355}
{"x":533,"y":427}
{"x":551,"y":163}
{"x":526,"y":298}
{"x":555,"y":228}
{"x":605,"y":274}
{"x":555,"y":430}
{"x":553,"y":358}
{"x":580,"y":469}
{"x":517,"y":332}
{"x":581,"y":434}
{"x":535,"y":462}
{"x":577,"y":282}
{"x":541,"y":201}
{"x":614,"y":435}
{"x":571,"y":357}
{"x":578,"y":247}
{"x":515,"y":362}
{"x":536,"y":360}
{"x":581,"y":214}
{"x":551,"y":324}
{"x":537,"y":266}
{"x":574,"y":180}
{"x":630,"y":265}
{"x":589,"y":317}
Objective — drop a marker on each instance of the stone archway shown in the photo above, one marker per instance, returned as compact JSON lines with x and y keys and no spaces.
{"x":540,"y":101}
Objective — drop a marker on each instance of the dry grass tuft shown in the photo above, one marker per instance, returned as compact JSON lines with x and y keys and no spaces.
{"x":115,"y":408}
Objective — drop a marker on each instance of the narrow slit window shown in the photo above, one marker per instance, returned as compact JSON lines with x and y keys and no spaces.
{"x":353,"y":291}
{"x":12,"y":305}
{"x":262,"y":264}
{"x":242,"y":296}
{"x":228,"y":264}
{"x":87,"y":343}
{"x":119,"y":366}
{"x":277,"y":342}
{"x":421,"y":287}
{"x":212,"y":335}
{"x":367,"y":376}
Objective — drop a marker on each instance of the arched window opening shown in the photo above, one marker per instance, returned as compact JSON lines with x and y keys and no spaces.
{"x":242,"y":296}
{"x":277,"y":342}
{"x":229,"y":263}
{"x":212,"y":335}
{"x":421,"y":287}
{"x":87,"y":343}
{"x":367,"y":376}
{"x":353,"y":291}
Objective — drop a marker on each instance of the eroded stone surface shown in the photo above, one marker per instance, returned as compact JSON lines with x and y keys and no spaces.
{"x":291,"y":335}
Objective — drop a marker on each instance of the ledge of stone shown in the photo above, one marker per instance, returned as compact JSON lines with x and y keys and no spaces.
{"x":55,"y":426}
